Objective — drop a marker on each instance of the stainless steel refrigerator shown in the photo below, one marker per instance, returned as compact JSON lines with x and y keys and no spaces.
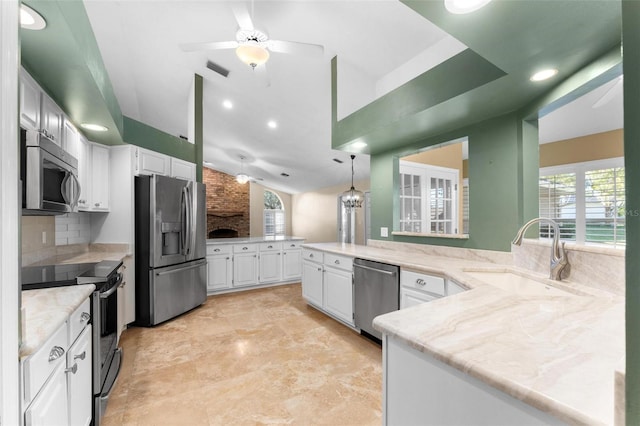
{"x":171,"y":269}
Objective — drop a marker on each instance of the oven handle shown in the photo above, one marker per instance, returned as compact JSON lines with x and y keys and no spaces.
{"x":197,"y":265}
{"x":113,"y":289}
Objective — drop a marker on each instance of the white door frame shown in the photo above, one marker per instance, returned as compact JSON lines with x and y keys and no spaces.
{"x":9,"y":213}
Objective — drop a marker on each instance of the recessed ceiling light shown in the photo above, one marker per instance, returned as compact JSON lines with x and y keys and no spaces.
{"x":227,"y":104}
{"x":359,"y":145}
{"x":94,"y":127}
{"x":272,"y":124}
{"x":464,"y":6}
{"x":544,"y":74}
{"x":30,"y":19}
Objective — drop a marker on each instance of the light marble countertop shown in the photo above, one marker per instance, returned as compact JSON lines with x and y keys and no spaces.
{"x":241,"y":240}
{"x":45,"y":310}
{"x":556,"y":353}
{"x":84,"y":257}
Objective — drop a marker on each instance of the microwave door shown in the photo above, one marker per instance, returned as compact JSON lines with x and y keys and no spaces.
{"x":46,"y":177}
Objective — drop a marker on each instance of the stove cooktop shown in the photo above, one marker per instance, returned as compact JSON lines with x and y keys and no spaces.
{"x":45,"y":276}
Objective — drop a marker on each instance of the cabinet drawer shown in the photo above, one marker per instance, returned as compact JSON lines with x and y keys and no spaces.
{"x":422,"y":282}
{"x":291,"y":245}
{"x":78,"y":320}
{"x":270,"y":246}
{"x":312,"y":255}
{"x":340,"y":262}
{"x":38,"y":368}
{"x":218,"y":249}
{"x":245,"y":248}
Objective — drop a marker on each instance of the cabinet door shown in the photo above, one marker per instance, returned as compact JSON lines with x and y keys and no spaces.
{"x":84,"y":158}
{"x":29,"y":102}
{"x":99,"y":177}
{"x":245,"y":269}
{"x":409,"y":297}
{"x":270,"y":267}
{"x":70,"y":138}
{"x":50,"y":406}
{"x":338,"y":293}
{"x":152,"y":163}
{"x":51,"y":118}
{"x":291,"y":265}
{"x":183,"y":169}
{"x":312,"y":282}
{"x":129,"y":290}
{"x":220,"y":272}
{"x":79,"y":380}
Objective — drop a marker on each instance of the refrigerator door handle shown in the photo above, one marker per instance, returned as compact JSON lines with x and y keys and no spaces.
{"x":189,"y":217}
{"x":184,"y":268}
{"x":183,"y":222}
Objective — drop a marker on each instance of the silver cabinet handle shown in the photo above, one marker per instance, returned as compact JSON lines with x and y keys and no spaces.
{"x":227,"y":258}
{"x":216,"y":250}
{"x":320,"y":269}
{"x":82,"y":356}
{"x":245,"y":248}
{"x":97,"y":204}
{"x":311,"y":255}
{"x":269,"y":246}
{"x":278,"y":254}
{"x":420,"y":281}
{"x":337,"y":262}
{"x":72,"y":370}
{"x":56,"y":352}
{"x":292,"y":245}
{"x":85,"y":317}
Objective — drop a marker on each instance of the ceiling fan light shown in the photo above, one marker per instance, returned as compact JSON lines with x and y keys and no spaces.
{"x":241,"y":178}
{"x":252,"y":54}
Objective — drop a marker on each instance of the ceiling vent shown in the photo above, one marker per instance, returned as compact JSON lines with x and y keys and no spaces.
{"x":217,"y":69}
{"x":284,"y":174}
{"x":338,"y":161}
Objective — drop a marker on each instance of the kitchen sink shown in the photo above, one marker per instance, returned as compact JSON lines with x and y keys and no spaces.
{"x":517,"y":284}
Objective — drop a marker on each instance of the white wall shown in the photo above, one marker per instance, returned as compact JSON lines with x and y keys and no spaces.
{"x":256,"y":209}
{"x":315,"y":214}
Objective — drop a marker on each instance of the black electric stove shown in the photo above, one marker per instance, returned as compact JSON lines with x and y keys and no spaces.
{"x":100,"y":273}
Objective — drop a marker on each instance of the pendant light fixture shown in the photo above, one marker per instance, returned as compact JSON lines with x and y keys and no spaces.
{"x":241,"y":177}
{"x":352,"y":198}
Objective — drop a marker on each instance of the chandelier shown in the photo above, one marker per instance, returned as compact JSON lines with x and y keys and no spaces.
{"x":352,"y":198}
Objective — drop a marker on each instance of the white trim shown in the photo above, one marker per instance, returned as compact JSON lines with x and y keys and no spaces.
{"x":9,"y":213}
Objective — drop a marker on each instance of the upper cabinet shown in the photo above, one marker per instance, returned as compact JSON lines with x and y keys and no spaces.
{"x":51,"y":119}
{"x":70,"y":138}
{"x":29,"y":102}
{"x":154,"y":163}
{"x":94,"y":176}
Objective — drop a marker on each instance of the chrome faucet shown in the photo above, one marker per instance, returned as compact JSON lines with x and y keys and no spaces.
{"x":558,"y":256}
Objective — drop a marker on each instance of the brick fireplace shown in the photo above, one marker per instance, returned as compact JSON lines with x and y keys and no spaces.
{"x":227,"y":204}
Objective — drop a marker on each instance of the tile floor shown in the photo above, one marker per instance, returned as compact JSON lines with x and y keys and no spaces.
{"x":255,"y":357}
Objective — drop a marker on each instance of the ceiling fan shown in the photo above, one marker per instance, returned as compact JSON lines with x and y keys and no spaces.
{"x":253,"y":46}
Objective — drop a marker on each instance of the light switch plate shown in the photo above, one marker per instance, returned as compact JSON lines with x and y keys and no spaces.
{"x":384,"y":231}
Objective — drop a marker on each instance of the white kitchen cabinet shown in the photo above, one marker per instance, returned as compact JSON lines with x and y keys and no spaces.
{"x":245,"y":265}
{"x":84,"y":176}
{"x":79,"y":376}
{"x":312,"y":274}
{"x":99,"y":177}
{"x":51,"y":118}
{"x":183,"y":169}
{"x":327,"y":283}
{"x":152,"y":163}
{"x":416,"y":288}
{"x":270,"y":262}
{"x":29,"y":102}
{"x":50,"y":407}
{"x":70,"y":138}
{"x":219,"y":267}
{"x":291,"y":261}
{"x":129,"y":287}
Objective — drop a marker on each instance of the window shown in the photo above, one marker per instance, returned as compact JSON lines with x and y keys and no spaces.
{"x":587,"y":200}
{"x":428,"y":199}
{"x":274,"y":218}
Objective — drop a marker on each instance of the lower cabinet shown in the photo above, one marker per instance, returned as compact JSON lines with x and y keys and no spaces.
{"x":417,"y":288}
{"x":327,"y":283}
{"x":233,"y":266}
{"x":57,"y":378}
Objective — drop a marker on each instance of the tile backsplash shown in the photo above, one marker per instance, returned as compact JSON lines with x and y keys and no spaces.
{"x":73,"y":228}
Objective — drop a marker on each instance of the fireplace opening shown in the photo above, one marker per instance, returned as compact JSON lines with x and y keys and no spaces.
{"x":223,"y":233}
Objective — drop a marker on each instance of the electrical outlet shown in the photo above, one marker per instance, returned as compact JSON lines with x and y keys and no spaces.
{"x":44,"y":237}
{"x":384,"y":231}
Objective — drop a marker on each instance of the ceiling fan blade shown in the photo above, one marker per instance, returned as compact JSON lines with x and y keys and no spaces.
{"x":242,"y":15}
{"x":295,"y":47}
{"x":208,"y":45}
{"x":262,"y":75}
{"x":609,"y":94}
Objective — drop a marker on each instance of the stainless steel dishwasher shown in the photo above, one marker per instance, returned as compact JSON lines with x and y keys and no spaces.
{"x":377,"y":291}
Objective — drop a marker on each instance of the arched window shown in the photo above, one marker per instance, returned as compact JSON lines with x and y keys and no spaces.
{"x":274,"y":218}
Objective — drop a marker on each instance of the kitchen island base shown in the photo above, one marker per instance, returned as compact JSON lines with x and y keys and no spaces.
{"x":419,"y":389}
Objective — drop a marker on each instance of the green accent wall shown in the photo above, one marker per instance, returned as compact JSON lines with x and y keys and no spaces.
{"x":142,"y":135}
{"x":631,"y":64}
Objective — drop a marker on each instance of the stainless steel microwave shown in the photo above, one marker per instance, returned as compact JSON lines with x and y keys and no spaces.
{"x":49,"y":176}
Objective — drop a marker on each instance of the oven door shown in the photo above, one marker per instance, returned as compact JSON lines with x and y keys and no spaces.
{"x":108,"y":356}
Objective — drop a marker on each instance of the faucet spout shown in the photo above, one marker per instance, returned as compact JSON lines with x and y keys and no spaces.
{"x":558,"y":259}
